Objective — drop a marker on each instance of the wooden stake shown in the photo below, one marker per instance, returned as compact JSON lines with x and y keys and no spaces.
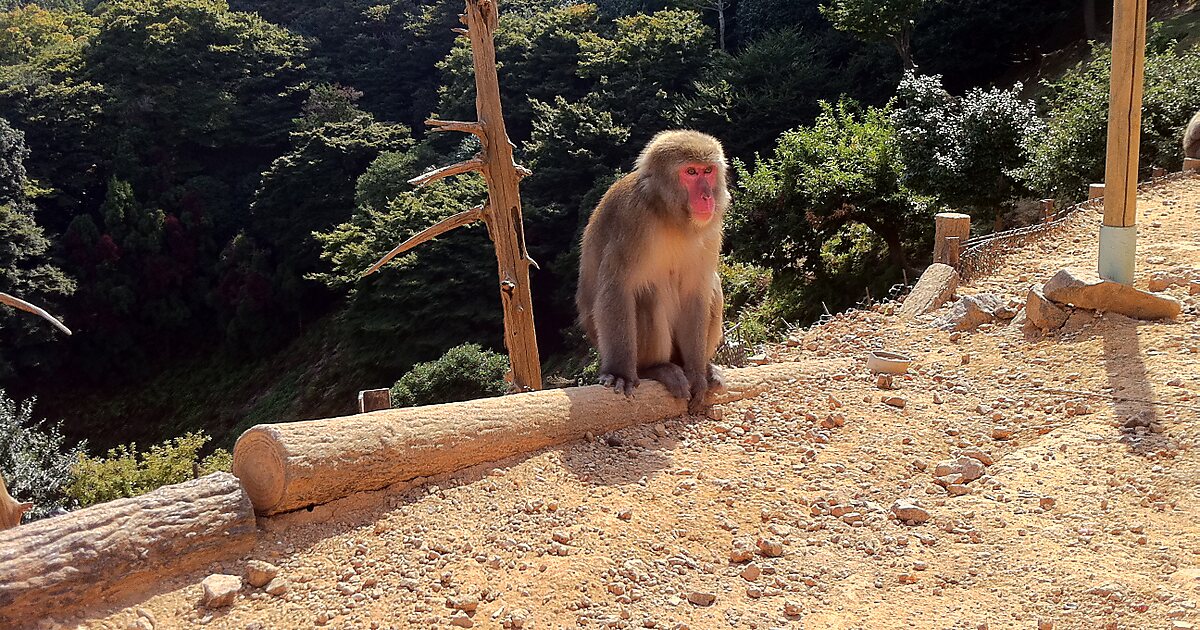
{"x":502,"y":213}
{"x":1118,"y":236}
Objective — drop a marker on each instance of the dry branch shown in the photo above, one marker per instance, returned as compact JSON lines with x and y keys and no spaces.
{"x":431,"y":232}
{"x":26,"y":306}
{"x":295,"y":465}
{"x":466,"y":166}
{"x":455,"y":125}
{"x":121,"y":548}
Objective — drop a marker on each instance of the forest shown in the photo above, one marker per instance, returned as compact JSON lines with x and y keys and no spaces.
{"x":195,"y":186}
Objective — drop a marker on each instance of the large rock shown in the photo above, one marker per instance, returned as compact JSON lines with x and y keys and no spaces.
{"x":971,"y":311}
{"x":1103,"y":295}
{"x":936,"y":286}
{"x":1043,"y":313}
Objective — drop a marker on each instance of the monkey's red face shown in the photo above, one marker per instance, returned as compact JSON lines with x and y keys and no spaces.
{"x":699,"y":179}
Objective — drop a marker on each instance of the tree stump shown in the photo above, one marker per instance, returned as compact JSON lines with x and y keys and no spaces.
{"x":300,"y":464}
{"x":1095,"y":191}
{"x":1191,"y":164}
{"x":118,"y":549}
{"x":947,"y":225}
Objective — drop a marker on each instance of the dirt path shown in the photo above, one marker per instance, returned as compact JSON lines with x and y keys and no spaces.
{"x":1078,"y":522}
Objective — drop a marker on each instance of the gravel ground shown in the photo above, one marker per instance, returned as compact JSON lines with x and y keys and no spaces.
{"x":1046,"y":481}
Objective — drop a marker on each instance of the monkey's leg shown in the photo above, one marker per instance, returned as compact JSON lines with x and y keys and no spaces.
{"x":616,"y":336}
{"x":692,"y":341}
{"x":671,"y":376}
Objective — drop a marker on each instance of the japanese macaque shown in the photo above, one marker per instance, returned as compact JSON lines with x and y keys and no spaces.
{"x":649,"y":297}
{"x":1191,"y":138}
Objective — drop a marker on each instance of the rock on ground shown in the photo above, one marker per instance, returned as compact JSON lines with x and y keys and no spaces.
{"x":220,"y":590}
{"x":1103,"y":295}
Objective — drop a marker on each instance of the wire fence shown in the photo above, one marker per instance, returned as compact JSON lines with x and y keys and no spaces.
{"x":983,"y":253}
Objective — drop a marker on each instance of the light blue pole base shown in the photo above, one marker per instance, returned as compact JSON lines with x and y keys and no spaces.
{"x":1118,"y":246}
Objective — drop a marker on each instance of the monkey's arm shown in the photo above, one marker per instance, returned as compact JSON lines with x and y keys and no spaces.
{"x":616,"y":329}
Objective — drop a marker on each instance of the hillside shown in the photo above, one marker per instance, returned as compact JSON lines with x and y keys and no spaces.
{"x":1084,"y":516}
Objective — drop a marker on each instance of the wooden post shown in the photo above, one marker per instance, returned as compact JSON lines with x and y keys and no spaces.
{"x":1047,"y":210}
{"x":947,"y":225}
{"x":502,"y":213}
{"x":1118,"y":235}
{"x":374,"y":400}
{"x":953,"y":251}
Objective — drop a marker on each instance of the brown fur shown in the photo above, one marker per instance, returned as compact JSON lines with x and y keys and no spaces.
{"x":649,"y":297}
{"x":1191,"y":138}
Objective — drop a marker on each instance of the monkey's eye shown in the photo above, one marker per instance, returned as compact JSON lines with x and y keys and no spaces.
{"x":691,"y":170}
{"x":708,"y":170}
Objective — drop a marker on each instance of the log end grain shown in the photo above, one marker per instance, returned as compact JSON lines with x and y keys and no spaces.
{"x":260,"y":463}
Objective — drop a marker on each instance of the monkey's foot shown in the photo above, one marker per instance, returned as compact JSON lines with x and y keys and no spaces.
{"x":619,"y":384}
{"x":716,"y":379}
{"x":671,"y":376}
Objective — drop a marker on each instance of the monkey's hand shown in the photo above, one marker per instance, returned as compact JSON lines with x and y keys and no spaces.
{"x":619,"y":384}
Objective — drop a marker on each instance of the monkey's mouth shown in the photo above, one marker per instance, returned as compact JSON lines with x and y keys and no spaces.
{"x":703,"y":208}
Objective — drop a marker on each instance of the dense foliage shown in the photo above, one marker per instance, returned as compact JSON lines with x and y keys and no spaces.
{"x":964,"y":151}
{"x":125,"y":472}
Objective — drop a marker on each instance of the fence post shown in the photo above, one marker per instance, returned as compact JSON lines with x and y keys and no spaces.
{"x":950,"y":225}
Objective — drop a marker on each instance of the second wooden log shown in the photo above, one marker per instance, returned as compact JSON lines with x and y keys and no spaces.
{"x":118,"y":549}
{"x":295,"y":465}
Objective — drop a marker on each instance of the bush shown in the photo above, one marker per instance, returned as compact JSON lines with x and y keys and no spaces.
{"x":35,"y":464}
{"x":965,"y":150}
{"x":124,"y":472}
{"x":465,"y":372}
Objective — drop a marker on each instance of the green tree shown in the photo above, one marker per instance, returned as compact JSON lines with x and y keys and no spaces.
{"x":823,"y":202}
{"x":964,"y":151}
{"x":438,"y":295}
{"x":26,"y":268}
{"x":878,"y":20}
{"x":1069,"y":152}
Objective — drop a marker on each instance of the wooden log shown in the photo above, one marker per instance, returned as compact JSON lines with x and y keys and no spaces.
{"x":122,"y":548}
{"x":953,"y":251}
{"x":1191,"y":164}
{"x":11,"y":511}
{"x":947,"y":224}
{"x":299,"y":464}
{"x":374,"y":400}
{"x":1095,"y":191}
